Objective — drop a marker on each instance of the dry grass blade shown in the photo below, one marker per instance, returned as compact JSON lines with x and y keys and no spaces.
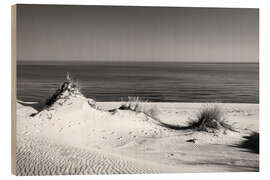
{"x":210,"y":118}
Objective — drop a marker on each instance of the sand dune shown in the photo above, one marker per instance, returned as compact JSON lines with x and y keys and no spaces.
{"x":77,"y":136}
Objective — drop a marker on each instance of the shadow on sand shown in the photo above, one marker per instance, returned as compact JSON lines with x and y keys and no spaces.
{"x":36,"y":105}
{"x":251,"y":143}
{"x":172,"y":126}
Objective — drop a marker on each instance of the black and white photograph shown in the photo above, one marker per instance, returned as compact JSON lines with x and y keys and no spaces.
{"x":135,"y":89}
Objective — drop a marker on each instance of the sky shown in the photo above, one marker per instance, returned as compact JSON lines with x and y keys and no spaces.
{"x":112,"y":33}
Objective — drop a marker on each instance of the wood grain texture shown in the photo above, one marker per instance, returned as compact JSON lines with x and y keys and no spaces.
{"x":13,"y":88}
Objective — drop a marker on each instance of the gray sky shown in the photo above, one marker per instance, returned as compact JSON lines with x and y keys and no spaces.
{"x":91,"y":33}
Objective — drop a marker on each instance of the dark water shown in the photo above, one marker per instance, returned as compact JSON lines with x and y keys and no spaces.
{"x":157,"y":82}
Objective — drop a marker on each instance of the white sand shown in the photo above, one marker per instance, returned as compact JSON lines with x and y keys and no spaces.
{"x":73,"y":138}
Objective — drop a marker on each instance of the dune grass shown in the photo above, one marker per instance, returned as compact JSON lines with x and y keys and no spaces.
{"x":133,"y":103}
{"x":138,"y":104}
{"x":210,"y":119}
{"x":70,"y":86}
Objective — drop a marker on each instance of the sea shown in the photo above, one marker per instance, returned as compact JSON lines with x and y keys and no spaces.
{"x":152,"y":81}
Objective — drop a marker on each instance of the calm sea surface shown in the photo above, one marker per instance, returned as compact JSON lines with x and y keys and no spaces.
{"x":155,"y":81}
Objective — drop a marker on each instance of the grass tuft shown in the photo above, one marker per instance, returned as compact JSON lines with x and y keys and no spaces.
{"x":134,"y":104}
{"x":138,"y":104}
{"x":67,"y":88}
{"x":210,"y":119}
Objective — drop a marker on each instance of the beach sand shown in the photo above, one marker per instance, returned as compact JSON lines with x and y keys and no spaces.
{"x":72,"y":137}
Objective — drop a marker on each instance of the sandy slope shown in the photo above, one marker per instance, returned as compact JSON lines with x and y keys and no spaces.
{"x":72,"y":137}
{"x":41,"y":157}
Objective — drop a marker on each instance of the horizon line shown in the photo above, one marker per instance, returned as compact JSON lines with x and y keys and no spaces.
{"x":117,"y":61}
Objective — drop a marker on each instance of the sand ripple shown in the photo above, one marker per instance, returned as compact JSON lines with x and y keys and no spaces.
{"x":39,"y":157}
